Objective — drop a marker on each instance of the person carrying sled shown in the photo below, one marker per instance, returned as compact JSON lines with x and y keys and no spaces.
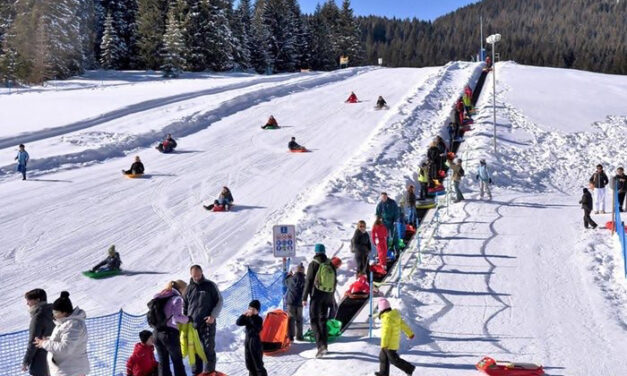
{"x":619,"y":182}
{"x":253,"y":351}
{"x":22,"y":160}
{"x":41,"y":326}
{"x":381,"y":103}
{"x":423,"y":179}
{"x":142,"y":362}
{"x":320,"y":284}
{"x":352,"y":98}
{"x":599,"y":180}
{"x":293,"y":145}
{"x":112,"y":262}
{"x":271,"y":123}
{"x":458,"y":173}
{"x":380,"y":240}
{"x":391,"y":326}
{"x":295,"y":284}
{"x":361,"y":246}
{"x":137,"y":168}
{"x":483,"y":175}
{"x":167,"y":145}
{"x":586,"y":205}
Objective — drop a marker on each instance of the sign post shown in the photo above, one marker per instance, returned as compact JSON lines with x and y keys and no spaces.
{"x":284,"y":246}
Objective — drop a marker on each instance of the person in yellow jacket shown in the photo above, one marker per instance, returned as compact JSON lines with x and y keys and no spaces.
{"x":391,"y":326}
{"x":423,"y":179}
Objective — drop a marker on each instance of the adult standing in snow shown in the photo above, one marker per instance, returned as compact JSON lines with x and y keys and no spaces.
{"x":320,"y":283}
{"x":599,"y":180}
{"x":41,"y":326}
{"x":167,"y":332}
{"x":361,"y":247}
{"x":67,"y":345}
{"x":203,"y":303}
{"x":22,"y":160}
{"x":619,"y":182}
{"x":483,"y":175}
{"x":586,"y":205}
{"x":388,"y":210}
{"x":434,"y":157}
{"x":295,"y":284}
{"x":408,"y":203}
{"x":458,"y":173}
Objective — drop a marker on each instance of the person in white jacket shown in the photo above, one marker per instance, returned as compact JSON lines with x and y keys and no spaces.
{"x":67,"y":345}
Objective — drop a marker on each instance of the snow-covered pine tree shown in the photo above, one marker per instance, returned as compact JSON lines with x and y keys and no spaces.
{"x":62,"y":22}
{"x":300,"y":34}
{"x":173,"y":46}
{"x":109,"y":48}
{"x":259,"y":39}
{"x":196,"y":28}
{"x":281,"y":44}
{"x":151,"y":18}
{"x":320,"y":45}
{"x":330,"y":14}
{"x":218,"y":37}
{"x":241,"y":27}
{"x":348,"y":35}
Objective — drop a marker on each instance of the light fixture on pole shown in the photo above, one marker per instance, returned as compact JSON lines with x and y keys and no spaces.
{"x":492,"y":39}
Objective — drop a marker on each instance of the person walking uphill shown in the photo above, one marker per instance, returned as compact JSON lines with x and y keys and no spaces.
{"x":295,"y":283}
{"x":599,"y":180}
{"x":253,"y":351}
{"x":586,"y":205}
{"x":41,"y":326}
{"x":361,"y":246}
{"x":67,"y":345}
{"x":458,"y":173}
{"x":320,"y":283}
{"x":619,"y":182}
{"x":483,"y":175}
{"x":388,"y":210}
{"x":22,"y":160}
{"x":391,"y":326}
{"x":203,"y":303}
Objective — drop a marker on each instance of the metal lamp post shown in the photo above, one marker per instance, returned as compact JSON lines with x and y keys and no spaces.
{"x":492,"y":39}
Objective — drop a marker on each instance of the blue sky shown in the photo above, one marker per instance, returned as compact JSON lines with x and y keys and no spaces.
{"x":421,"y":9}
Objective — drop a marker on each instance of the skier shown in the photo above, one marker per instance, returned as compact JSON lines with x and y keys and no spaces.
{"x":225,"y":200}
{"x":391,"y":326}
{"x":352,"y":98}
{"x":458,"y":173}
{"x":320,"y":283}
{"x":137,"y":168}
{"x":295,"y":283}
{"x":22,"y":160}
{"x":423,"y":179}
{"x":112,"y":262}
{"x":271,"y":123}
{"x":619,"y":182}
{"x":380,"y":239}
{"x":361,"y":246}
{"x":586,"y":205}
{"x":599,"y":180}
{"x":165,"y":312}
{"x":67,"y":345}
{"x":408,"y":203}
{"x":388,"y":210}
{"x":41,"y":326}
{"x":142,"y":362}
{"x":167,"y":145}
{"x":203,"y":303}
{"x":253,"y":351}
{"x":293,"y":145}
{"x":381,"y":103}
{"x":483,"y":175}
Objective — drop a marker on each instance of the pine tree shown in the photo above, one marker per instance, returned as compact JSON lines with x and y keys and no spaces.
{"x":196,"y":28}
{"x":110,"y":53}
{"x":320,"y":45}
{"x":278,"y":22}
{"x":241,"y":25}
{"x":300,"y":32}
{"x":218,"y":37}
{"x":259,"y":39}
{"x":173,"y":46}
{"x":348,"y":35}
{"x":151,"y":16}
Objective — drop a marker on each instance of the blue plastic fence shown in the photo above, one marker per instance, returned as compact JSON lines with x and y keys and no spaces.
{"x":112,"y":337}
{"x":619,"y":225}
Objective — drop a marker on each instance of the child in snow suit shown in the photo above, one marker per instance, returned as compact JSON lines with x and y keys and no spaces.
{"x":112,"y":262}
{"x":167,"y":145}
{"x":22,"y":159}
{"x":380,"y":239}
{"x":225,"y":199}
{"x":137,"y":168}
{"x":253,"y":350}
{"x":295,"y":283}
{"x":391,"y":326}
{"x":352,"y":98}
{"x":586,"y":205}
{"x":142,"y":362}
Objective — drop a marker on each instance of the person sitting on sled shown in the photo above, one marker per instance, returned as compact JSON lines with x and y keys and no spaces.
{"x":271,"y":123}
{"x":352,"y":98}
{"x":225,"y":199}
{"x":167,"y":145}
{"x":112,"y":262}
{"x":381,"y":103}
{"x":137,"y":168}
{"x":293,"y":145}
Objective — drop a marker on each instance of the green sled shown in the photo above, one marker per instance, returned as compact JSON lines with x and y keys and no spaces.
{"x":334,"y":328}
{"x":101,"y":275}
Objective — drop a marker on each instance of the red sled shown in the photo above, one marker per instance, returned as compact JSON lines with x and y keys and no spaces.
{"x":377,"y":271}
{"x":450,"y":155}
{"x":610,"y":226}
{"x":435,"y":190}
{"x":410,"y":231}
{"x":303,"y":150}
{"x":493,"y":367}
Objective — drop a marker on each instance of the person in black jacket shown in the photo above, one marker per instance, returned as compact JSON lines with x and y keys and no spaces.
{"x":112,"y":262}
{"x":137,"y":168}
{"x":586,"y":205}
{"x":381,"y":103}
{"x":443,"y":150}
{"x":599,"y":180}
{"x":435,"y":160}
{"x":41,"y":326}
{"x":295,"y":283}
{"x":293,"y":145}
{"x":619,"y":182}
{"x":253,"y":351}
{"x":321,"y":301}
{"x":361,"y":247}
{"x":203,"y":303}
{"x":167,"y":145}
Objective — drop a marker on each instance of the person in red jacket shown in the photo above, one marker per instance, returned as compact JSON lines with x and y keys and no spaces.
{"x":380,"y":239}
{"x":352,"y":98}
{"x":142,"y":362}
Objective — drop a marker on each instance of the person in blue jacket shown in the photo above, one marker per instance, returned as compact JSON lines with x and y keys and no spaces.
{"x":388,"y":210}
{"x":22,"y":159}
{"x":483,"y":175}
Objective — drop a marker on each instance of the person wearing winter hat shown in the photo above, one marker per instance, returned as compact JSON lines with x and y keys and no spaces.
{"x":142,"y":362}
{"x":391,"y":326}
{"x":295,"y":283}
{"x":112,"y":262}
{"x":41,"y":326}
{"x":67,"y":345}
{"x":253,"y":351}
{"x":361,"y":247}
{"x":586,"y":205}
{"x":320,"y":284}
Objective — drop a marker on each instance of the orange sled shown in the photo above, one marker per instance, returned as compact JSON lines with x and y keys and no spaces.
{"x":274,"y":334}
{"x":610,"y":226}
{"x":493,"y":367}
{"x":303,"y":150}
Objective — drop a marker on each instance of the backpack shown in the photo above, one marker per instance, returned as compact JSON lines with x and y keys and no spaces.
{"x":156,"y":313}
{"x":325,"y":277}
